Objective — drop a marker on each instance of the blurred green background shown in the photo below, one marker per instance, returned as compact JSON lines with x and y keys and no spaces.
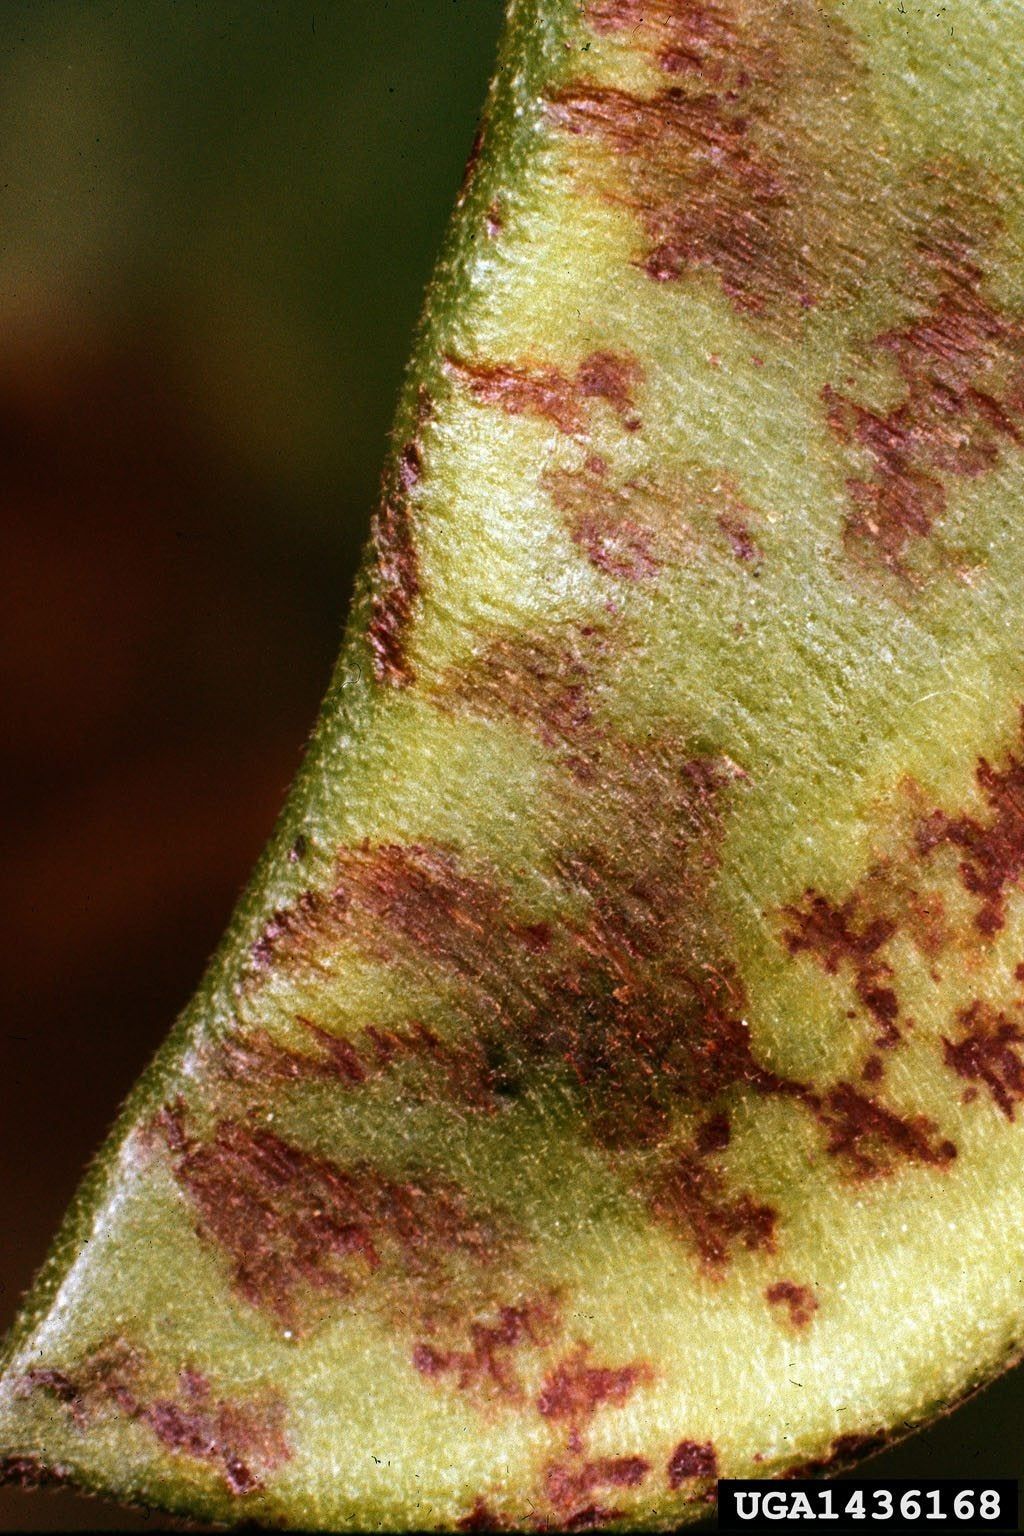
{"x":216,"y":222}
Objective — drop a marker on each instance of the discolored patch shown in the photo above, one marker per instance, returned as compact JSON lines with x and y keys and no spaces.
{"x":844,"y":1452}
{"x":742,"y":542}
{"x":961,"y":362}
{"x":634,"y":530}
{"x":576,"y":1390}
{"x":694,"y":1198}
{"x":420,"y":894}
{"x":241,"y":1438}
{"x":57,"y":1383}
{"x":689,"y":36}
{"x":751,"y":164}
{"x":472,"y":161}
{"x":453,"y":1069}
{"x":614,"y":987}
{"x":570,"y":1485}
{"x":713,"y":1135}
{"x":992,"y":853}
{"x":546,"y":392}
{"x":542,"y":681}
{"x":844,"y":935}
{"x":871,"y":1139}
{"x":692,"y":1459}
{"x":989,"y":1052}
{"x":294,"y":1227}
{"x":798,"y":1302}
{"x":395,"y":579}
{"x":482,"y":1518}
{"x":489,"y":1365}
{"x":627,"y":531}
{"x":29,"y":1473}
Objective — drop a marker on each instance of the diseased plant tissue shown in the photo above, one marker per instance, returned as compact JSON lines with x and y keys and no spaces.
{"x":612,"y":1080}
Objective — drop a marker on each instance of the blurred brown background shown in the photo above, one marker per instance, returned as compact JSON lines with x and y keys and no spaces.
{"x":216,"y":221}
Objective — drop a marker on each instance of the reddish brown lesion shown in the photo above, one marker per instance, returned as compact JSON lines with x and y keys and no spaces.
{"x":453,"y":1069}
{"x":574,"y":1392}
{"x":961,"y":363}
{"x":294,"y":1226}
{"x":692,"y":1460}
{"x":845,"y":934}
{"x":695,"y":1199}
{"x":627,"y":531}
{"x":615,"y":984}
{"x":872,"y":1140}
{"x":843,"y":1452}
{"x":740,"y":536}
{"x":724,"y":168}
{"x":689,"y":36}
{"x":472,"y":161}
{"x":395,"y":571}
{"x":796,"y":1302}
{"x":29,"y":1473}
{"x":419,"y":895}
{"x":549,"y":393}
{"x":240,"y":1437}
{"x":989,"y":1051}
{"x":543,"y":681}
{"x":992,"y":851}
{"x":482,"y":1518}
{"x":570,"y":1487}
{"x":488,"y":1365}
{"x":635,"y":529}
{"x":577,"y":1389}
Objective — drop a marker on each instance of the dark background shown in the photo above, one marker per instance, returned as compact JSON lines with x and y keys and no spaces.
{"x":216,"y":221}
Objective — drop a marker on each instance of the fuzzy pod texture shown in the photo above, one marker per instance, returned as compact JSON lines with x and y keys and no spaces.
{"x":613,"y":1076}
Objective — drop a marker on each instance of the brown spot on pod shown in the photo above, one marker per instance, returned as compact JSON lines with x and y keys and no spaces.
{"x":690,"y":36}
{"x":842,"y":934}
{"x":692,"y":1459}
{"x":242,"y":1438}
{"x":544,"y":391}
{"x":256,"y":1058}
{"x":57,"y":1383}
{"x":488,"y":1364}
{"x":453,"y":1069}
{"x":844,"y":1451}
{"x":961,"y":360}
{"x":568,"y":1484}
{"x":606,"y":985}
{"x":713,"y":1135}
{"x":627,"y":531}
{"x":992,"y":853}
{"x":695,"y":1200}
{"x":293,"y":1226}
{"x":873,"y":1069}
{"x":543,"y":681}
{"x":396,"y":569}
{"x":741,"y":539}
{"x":633,"y":530}
{"x":419,"y":894}
{"x":29,"y":1473}
{"x":798,"y":1301}
{"x":726,"y":170}
{"x":482,"y":1518}
{"x":576,"y":1390}
{"x":591,"y":1518}
{"x":871,"y":1139}
{"x":472,"y":160}
{"x":989,"y":1051}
